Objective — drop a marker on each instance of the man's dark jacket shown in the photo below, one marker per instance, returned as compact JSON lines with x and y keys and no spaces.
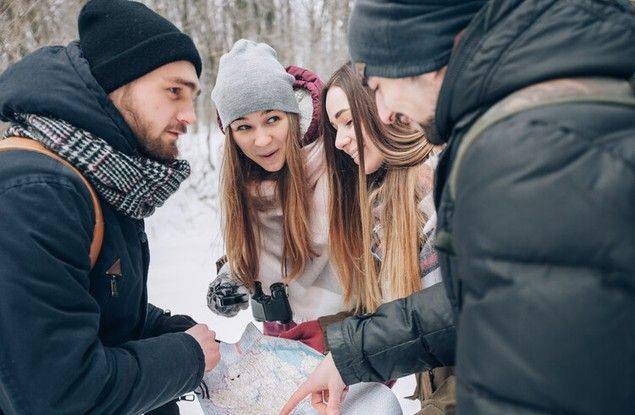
{"x":67,"y":344}
{"x":542,"y":277}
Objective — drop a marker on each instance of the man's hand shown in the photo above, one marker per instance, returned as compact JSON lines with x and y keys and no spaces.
{"x":326,"y":387}
{"x":206,"y":338}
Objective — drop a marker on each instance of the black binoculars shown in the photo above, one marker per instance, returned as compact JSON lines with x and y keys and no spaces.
{"x":274,"y":307}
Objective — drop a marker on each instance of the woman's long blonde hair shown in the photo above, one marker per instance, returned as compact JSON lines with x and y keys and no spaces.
{"x":394,"y":190}
{"x":242,"y":200}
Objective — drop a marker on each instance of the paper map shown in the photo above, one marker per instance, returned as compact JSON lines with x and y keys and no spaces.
{"x":258,"y":374}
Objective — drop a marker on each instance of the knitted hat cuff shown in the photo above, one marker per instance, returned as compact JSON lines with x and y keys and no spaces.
{"x":144,"y":58}
{"x":263,"y":94}
{"x":390,"y":70}
{"x":404,"y":38}
{"x":251,"y":79}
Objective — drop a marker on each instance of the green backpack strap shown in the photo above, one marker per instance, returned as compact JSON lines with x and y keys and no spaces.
{"x":608,"y":91}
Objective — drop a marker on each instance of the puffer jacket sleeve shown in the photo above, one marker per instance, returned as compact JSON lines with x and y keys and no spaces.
{"x":402,"y":337}
{"x":51,"y":358}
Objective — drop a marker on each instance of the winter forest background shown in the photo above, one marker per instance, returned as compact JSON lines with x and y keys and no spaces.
{"x":184,"y":234}
{"x":306,"y":33}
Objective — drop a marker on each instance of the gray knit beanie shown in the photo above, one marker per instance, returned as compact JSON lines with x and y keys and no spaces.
{"x":251,"y":79}
{"x":401,"y":38}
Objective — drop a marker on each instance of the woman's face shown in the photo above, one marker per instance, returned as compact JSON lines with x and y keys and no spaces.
{"x":341,"y":119}
{"x":262,"y":136}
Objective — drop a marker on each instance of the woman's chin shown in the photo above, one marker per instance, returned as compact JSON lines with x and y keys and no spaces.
{"x":273,"y":167}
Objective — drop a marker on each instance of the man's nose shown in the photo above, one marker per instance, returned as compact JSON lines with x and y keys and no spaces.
{"x":385,"y":115}
{"x":187,"y":115}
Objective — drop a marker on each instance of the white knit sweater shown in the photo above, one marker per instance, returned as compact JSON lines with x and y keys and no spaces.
{"x":316,"y":291}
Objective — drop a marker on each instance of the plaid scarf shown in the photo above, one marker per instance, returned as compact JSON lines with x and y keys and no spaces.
{"x":133,"y":185}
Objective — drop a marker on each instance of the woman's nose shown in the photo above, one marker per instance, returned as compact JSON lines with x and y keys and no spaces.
{"x":342,"y":140}
{"x":263,"y":139}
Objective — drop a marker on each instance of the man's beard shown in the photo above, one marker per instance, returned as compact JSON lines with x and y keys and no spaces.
{"x":429,"y":128}
{"x":154,"y":147}
{"x":151,"y":146}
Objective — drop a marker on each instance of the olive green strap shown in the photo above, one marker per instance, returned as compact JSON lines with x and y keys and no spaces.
{"x":606,"y":91}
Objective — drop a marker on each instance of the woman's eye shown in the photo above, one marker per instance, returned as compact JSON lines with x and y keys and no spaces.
{"x":243,"y":127}
{"x":174,"y":91}
{"x":349,"y":123}
{"x":273,"y":119}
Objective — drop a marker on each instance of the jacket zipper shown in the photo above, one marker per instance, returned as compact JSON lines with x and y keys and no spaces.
{"x":114,"y":273}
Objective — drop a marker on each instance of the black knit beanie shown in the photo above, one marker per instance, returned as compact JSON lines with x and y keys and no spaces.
{"x":401,"y":38}
{"x":124,"y":40}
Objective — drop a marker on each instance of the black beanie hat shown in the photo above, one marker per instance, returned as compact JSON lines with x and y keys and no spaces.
{"x":401,"y":38}
{"x":124,"y":40}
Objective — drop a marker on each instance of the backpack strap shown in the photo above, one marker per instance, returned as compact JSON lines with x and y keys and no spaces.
{"x":20,"y":143}
{"x":607,"y":91}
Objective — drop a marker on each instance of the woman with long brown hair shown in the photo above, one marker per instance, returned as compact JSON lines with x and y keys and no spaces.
{"x":382,"y":215}
{"x":273,"y":186}
{"x":381,"y":206}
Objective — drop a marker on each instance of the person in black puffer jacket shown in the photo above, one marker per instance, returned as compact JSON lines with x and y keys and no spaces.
{"x":536,"y":219}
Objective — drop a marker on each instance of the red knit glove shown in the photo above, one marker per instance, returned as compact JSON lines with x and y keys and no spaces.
{"x":309,"y":333}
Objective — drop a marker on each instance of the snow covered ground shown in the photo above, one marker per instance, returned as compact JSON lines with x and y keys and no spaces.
{"x":184,"y":244}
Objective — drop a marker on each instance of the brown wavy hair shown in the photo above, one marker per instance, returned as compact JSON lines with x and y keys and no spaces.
{"x":394,"y":189}
{"x":242,"y":200}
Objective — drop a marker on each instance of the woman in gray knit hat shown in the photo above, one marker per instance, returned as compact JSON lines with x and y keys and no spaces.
{"x":274,"y":191}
